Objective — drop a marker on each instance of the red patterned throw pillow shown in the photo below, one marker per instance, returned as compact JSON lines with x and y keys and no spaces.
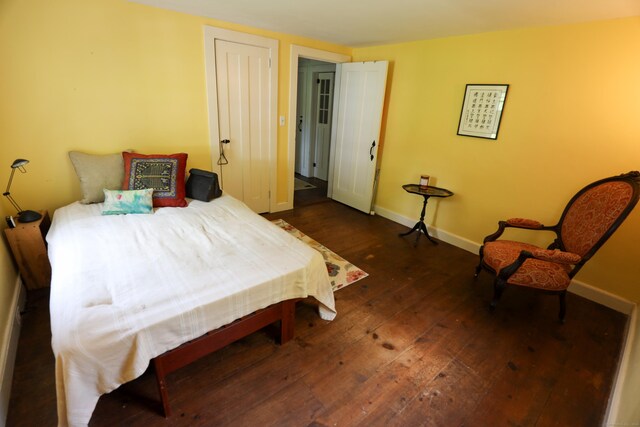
{"x":163,"y":173}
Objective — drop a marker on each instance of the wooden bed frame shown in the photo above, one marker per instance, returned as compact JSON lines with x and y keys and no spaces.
{"x":193,"y":350}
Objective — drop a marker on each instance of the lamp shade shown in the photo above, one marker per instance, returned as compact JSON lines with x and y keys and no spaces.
{"x":19,"y":163}
{"x":23,"y":215}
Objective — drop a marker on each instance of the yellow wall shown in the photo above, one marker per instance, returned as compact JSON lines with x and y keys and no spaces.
{"x":102,"y":76}
{"x":571,"y":117}
{"x":107,"y":75}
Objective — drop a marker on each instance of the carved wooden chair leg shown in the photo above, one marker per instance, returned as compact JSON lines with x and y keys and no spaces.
{"x":479,"y":266}
{"x":563,"y":305}
{"x":498,"y":289}
{"x":478,"y":269}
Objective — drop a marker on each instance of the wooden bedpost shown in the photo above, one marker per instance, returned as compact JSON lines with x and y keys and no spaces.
{"x":284,"y":311}
{"x":288,"y":322}
{"x":162,"y":386}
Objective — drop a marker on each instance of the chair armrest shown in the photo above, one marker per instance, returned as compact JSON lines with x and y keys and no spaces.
{"x":524,"y":223}
{"x":557,"y":256}
{"x":552,"y":255}
{"x":491,"y":237}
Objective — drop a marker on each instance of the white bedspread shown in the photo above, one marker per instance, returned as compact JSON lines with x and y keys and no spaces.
{"x":127,"y":288}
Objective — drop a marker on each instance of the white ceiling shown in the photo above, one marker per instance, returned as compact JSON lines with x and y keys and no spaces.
{"x":373,"y":22}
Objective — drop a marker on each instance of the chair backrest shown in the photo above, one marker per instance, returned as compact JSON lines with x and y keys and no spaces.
{"x":595,"y":212}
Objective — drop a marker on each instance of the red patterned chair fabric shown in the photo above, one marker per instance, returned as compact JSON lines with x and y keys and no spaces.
{"x":592,"y":214}
{"x":524,"y":223}
{"x":589,"y":219}
{"x":534,"y":272}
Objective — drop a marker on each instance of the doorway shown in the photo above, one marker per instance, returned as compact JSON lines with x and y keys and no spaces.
{"x":314,"y":118}
{"x":359,"y":92}
{"x":309,"y":191}
{"x":298,"y":53}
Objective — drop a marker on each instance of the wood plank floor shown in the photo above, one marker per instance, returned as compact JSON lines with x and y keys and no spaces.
{"x":310,"y":196}
{"x":413,"y":344}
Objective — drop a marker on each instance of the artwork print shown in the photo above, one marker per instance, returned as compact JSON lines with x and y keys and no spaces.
{"x":482,"y":110}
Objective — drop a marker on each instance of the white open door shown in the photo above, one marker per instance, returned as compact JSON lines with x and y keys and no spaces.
{"x":360,"y":100}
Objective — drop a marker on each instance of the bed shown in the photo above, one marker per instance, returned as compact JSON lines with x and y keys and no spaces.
{"x":129,"y":289}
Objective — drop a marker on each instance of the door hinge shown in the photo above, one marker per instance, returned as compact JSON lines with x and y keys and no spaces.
{"x":314,"y":164}
{"x":318,"y":81}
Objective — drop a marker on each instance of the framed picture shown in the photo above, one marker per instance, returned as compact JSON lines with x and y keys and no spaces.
{"x":482,"y":110}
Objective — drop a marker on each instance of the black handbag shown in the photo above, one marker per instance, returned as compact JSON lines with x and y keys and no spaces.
{"x":202,"y":185}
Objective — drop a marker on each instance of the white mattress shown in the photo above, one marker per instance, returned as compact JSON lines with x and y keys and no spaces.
{"x":127,"y":288}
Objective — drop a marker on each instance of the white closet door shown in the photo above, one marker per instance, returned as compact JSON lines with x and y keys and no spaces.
{"x":242,"y":75}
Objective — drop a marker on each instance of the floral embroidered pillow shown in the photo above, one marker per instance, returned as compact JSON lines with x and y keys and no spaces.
{"x":163,"y":172}
{"x":119,"y":202}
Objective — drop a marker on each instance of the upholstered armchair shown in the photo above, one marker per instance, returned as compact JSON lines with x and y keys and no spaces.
{"x":588,"y":220}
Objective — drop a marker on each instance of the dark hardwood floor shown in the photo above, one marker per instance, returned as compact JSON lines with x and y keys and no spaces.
{"x":413,"y":344}
{"x":310,"y":196}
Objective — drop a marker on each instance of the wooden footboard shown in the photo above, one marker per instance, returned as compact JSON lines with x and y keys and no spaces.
{"x":193,"y":350}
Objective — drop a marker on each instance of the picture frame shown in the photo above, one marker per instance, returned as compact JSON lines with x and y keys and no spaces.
{"x":482,"y":110}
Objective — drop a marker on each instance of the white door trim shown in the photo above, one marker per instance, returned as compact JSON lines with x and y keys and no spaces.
{"x":296,"y":53}
{"x":211,"y":34}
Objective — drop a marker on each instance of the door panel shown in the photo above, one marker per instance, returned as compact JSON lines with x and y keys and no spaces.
{"x":324,"y":104}
{"x":301,"y":147}
{"x":359,"y":117}
{"x":242,"y":73}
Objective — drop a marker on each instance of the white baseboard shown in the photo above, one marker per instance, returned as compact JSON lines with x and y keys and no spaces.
{"x":623,"y":395}
{"x":281,"y":206}
{"x":577,"y":287}
{"x":9,"y":349}
{"x":601,"y":296}
{"x":439,"y":234}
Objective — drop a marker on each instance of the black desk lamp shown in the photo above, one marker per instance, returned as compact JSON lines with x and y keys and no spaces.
{"x":23,"y":216}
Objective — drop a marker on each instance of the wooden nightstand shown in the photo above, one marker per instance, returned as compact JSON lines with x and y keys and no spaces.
{"x":29,"y":248}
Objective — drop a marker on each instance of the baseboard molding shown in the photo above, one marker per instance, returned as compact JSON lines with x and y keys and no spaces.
{"x":438,"y":233}
{"x":601,"y":296}
{"x":9,"y":348}
{"x":577,"y":287}
{"x":282,"y":206}
{"x":623,"y":395}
